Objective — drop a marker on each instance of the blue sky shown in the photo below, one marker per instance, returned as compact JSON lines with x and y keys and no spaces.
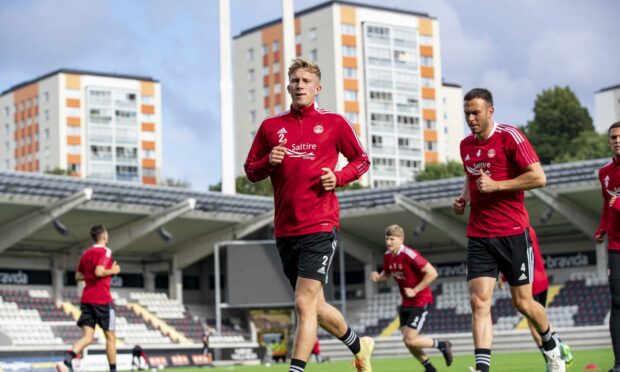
{"x":515,"y":48}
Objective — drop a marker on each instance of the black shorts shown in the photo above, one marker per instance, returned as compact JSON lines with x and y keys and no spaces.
{"x":511,"y":255}
{"x":103,"y":315}
{"x":412,"y":317}
{"x":308,"y":256}
{"x":541,"y":298}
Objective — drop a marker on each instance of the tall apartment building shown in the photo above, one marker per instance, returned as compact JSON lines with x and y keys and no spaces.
{"x":381,"y":68}
{"x":606,"y":108}
{"x":93,"y":125}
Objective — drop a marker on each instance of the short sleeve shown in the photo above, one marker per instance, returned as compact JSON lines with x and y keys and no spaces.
{"x":519,"y":147}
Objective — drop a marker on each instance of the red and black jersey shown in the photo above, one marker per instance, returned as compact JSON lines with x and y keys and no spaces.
{"x":406,"y":269}
{"x":609,"y":176}
{"x":314,"y":138}
{"x":96,"y":290}
{"x":502,"y":156}
{"x":540,"y":282}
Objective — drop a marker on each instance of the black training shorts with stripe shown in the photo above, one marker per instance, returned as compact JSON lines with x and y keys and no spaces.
{"x":412,"y":317}
{"x":511,"y":255}
{"x":308,"y":256}
{"x":103,"y":315}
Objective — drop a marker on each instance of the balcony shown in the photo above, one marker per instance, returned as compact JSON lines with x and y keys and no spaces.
{"x":408,"y":151}
{"x":384,"y":172}
{"x":381,"y":127}
{"x":383,"y":150}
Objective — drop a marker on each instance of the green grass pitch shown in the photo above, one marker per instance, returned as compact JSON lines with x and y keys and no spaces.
{"x":500,"y":362}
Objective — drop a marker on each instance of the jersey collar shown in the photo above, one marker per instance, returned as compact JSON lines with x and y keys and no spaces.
{"x":304,"y":111}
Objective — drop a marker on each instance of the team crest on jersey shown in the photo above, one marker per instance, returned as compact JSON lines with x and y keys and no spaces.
{"x":478,"y":153}
{"x":318,"y":129}
{"x":491,"y":153}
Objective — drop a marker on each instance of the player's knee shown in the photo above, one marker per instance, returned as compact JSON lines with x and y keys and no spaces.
{"x":305,"y":306}
{"x":523,"y":305}
{"x":110,"y":336}
{"x":478,"y":304}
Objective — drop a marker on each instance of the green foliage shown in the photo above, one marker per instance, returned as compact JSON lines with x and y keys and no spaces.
{"x":173,"y":182}
{"x":244,"y":186}
{"x":588,"y":145}
{"x":352,"y":186}
{"x":435,"y":171}
{"x":559,"y":118}
{"x":58,"y":172}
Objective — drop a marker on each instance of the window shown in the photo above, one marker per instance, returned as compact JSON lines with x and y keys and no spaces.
{"x":406,"y":163}
{"x":428,"y":82}
{"x":73,"y":112}
{"x":251,"y":74}
{"x":149,"y":136}
{"x":7,"y":146}
{"x":265,"y":70}
{"x":251,"y":95}
{"x":252,"y":116}
{"x":148,"y":100}
{"x":350,"y":95}
{"x":29,"y":103}
{"x":430,"y":124}
{"x":36,"y":100}
{"x":148,"y":154}
{"x":353,"y":117}
{"x":348,"y":29}
{"x":148,"y":118}
{"x":266,"y":112}
{"x":7,"y":111}
{"x":349,"y":51}
{"x":276,"y":67}
{"x":47,"y":115}
{"x":277,"y":88}
{"x":71,"y":130}
{"x":376,"y":32}
{"x":426,"y":61}
{"x":314,"y":55}
{"x":426,"y":40}
{"x":21,"y":106}
{"x":428,"y":103}
{"x":265,"y":49}
{"x":73,"y":93}
{"x":297,"y":38}
{"x":7,"y":164}
{"x":266,"y":92}
{"x":404,"y":59}
{"x":312,"y":34}
{"x":381,"y":96}
{"x":430,"y":146}
{"x":407,"y":120}
{"x":73,"y":149}
{"x":7,"y":129}
{"x":349,"y":73}
{"x":377,"y":141}
{"x":46,"y":133}
{"x":148,"y":172}
{"x":250,"y":54}
{"x":46,"y":95}
{"x":276,"y":46}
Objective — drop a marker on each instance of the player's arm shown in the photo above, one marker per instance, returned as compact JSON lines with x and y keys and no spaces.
{"x":261,"y":159}
{"x":350,"y":146}
{"x":101,"y":271}
{"x":458,"y":205}
{"x":533,"y":177}
{"x":430,"y":274}
{"x":379,"y":277}
{"x":599,"y":235}
{"x":79,"y":276}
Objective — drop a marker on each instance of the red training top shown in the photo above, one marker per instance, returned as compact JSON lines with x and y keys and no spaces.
{"x":314,"y":137}
{"x":406,"y":268}
{"x":540,"y":282}
{"x":502,"y":156}
{"x":609,"y":176}
{"x":97,"y":290}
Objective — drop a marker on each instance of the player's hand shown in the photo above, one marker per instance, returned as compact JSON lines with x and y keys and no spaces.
{"x":410,"y":292}
{"x":599,"y":236}
{"x":328,"y":180}
{"x":277,"y":153}
{"x":374,"y":276}
{"x":486,"y":184}
{"x":612,"y":201}
{"x":115,"y":268}
{"x":458,"y":205}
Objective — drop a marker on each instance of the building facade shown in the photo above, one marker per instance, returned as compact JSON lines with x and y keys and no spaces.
{"x":381,"y":68}
{"x":606,"y":108}
{"x":88,"y":124}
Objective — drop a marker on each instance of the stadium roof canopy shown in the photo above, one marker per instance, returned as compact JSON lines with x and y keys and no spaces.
{"x":157,"y":223}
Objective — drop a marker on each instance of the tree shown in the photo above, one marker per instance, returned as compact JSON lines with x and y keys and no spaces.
{"x":559,"y":118}
{"x":435,"y":171}
{"x":262,"y":187}
{"x":173,"y":182}
{"x":588,"y":145}
{"x":58,"y":172}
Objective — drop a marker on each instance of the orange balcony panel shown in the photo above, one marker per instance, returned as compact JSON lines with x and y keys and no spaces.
{"x":349,"y":40}
{"x":73,"y":122}
{"x":351,"y":106}
{"x":276,"y":56}
{"x":148,"y":145}
{"x":266,"y":60}
{"x":276,"y":78}
{"x":430,"y":135}
{"x":74,"y":159}
{"x":147,"y":109}
{"x":36,"y":146}
{"x":148,"y":163}
{"x":147,"y":88}
{"x":149,"y":180}
{"x":266,"y":101}
{"x":428,"y":93}
{"x":266,"y":80}
{"x":73,"y":102}
{"x":349,"y":62}
{"x":148,"y":127}
{"x":350,"y":84}
{"x":72,"y":81}
{"x":278,"y":98}
{"x":426,"y":26}
{"x":298,"y":49}
{"x":75,"y":174}
{"x":358,"y":129}
{"x":74,"y":140}
{"x":36,"y":165}
{"x":431,"y":157}
{"x":429,"y":114}
{"x":427,"y":72}
{"x":426,"y":50}
{"x":348,"y":14}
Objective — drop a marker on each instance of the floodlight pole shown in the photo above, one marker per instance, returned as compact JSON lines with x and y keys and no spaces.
{"x":227,"y":142}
